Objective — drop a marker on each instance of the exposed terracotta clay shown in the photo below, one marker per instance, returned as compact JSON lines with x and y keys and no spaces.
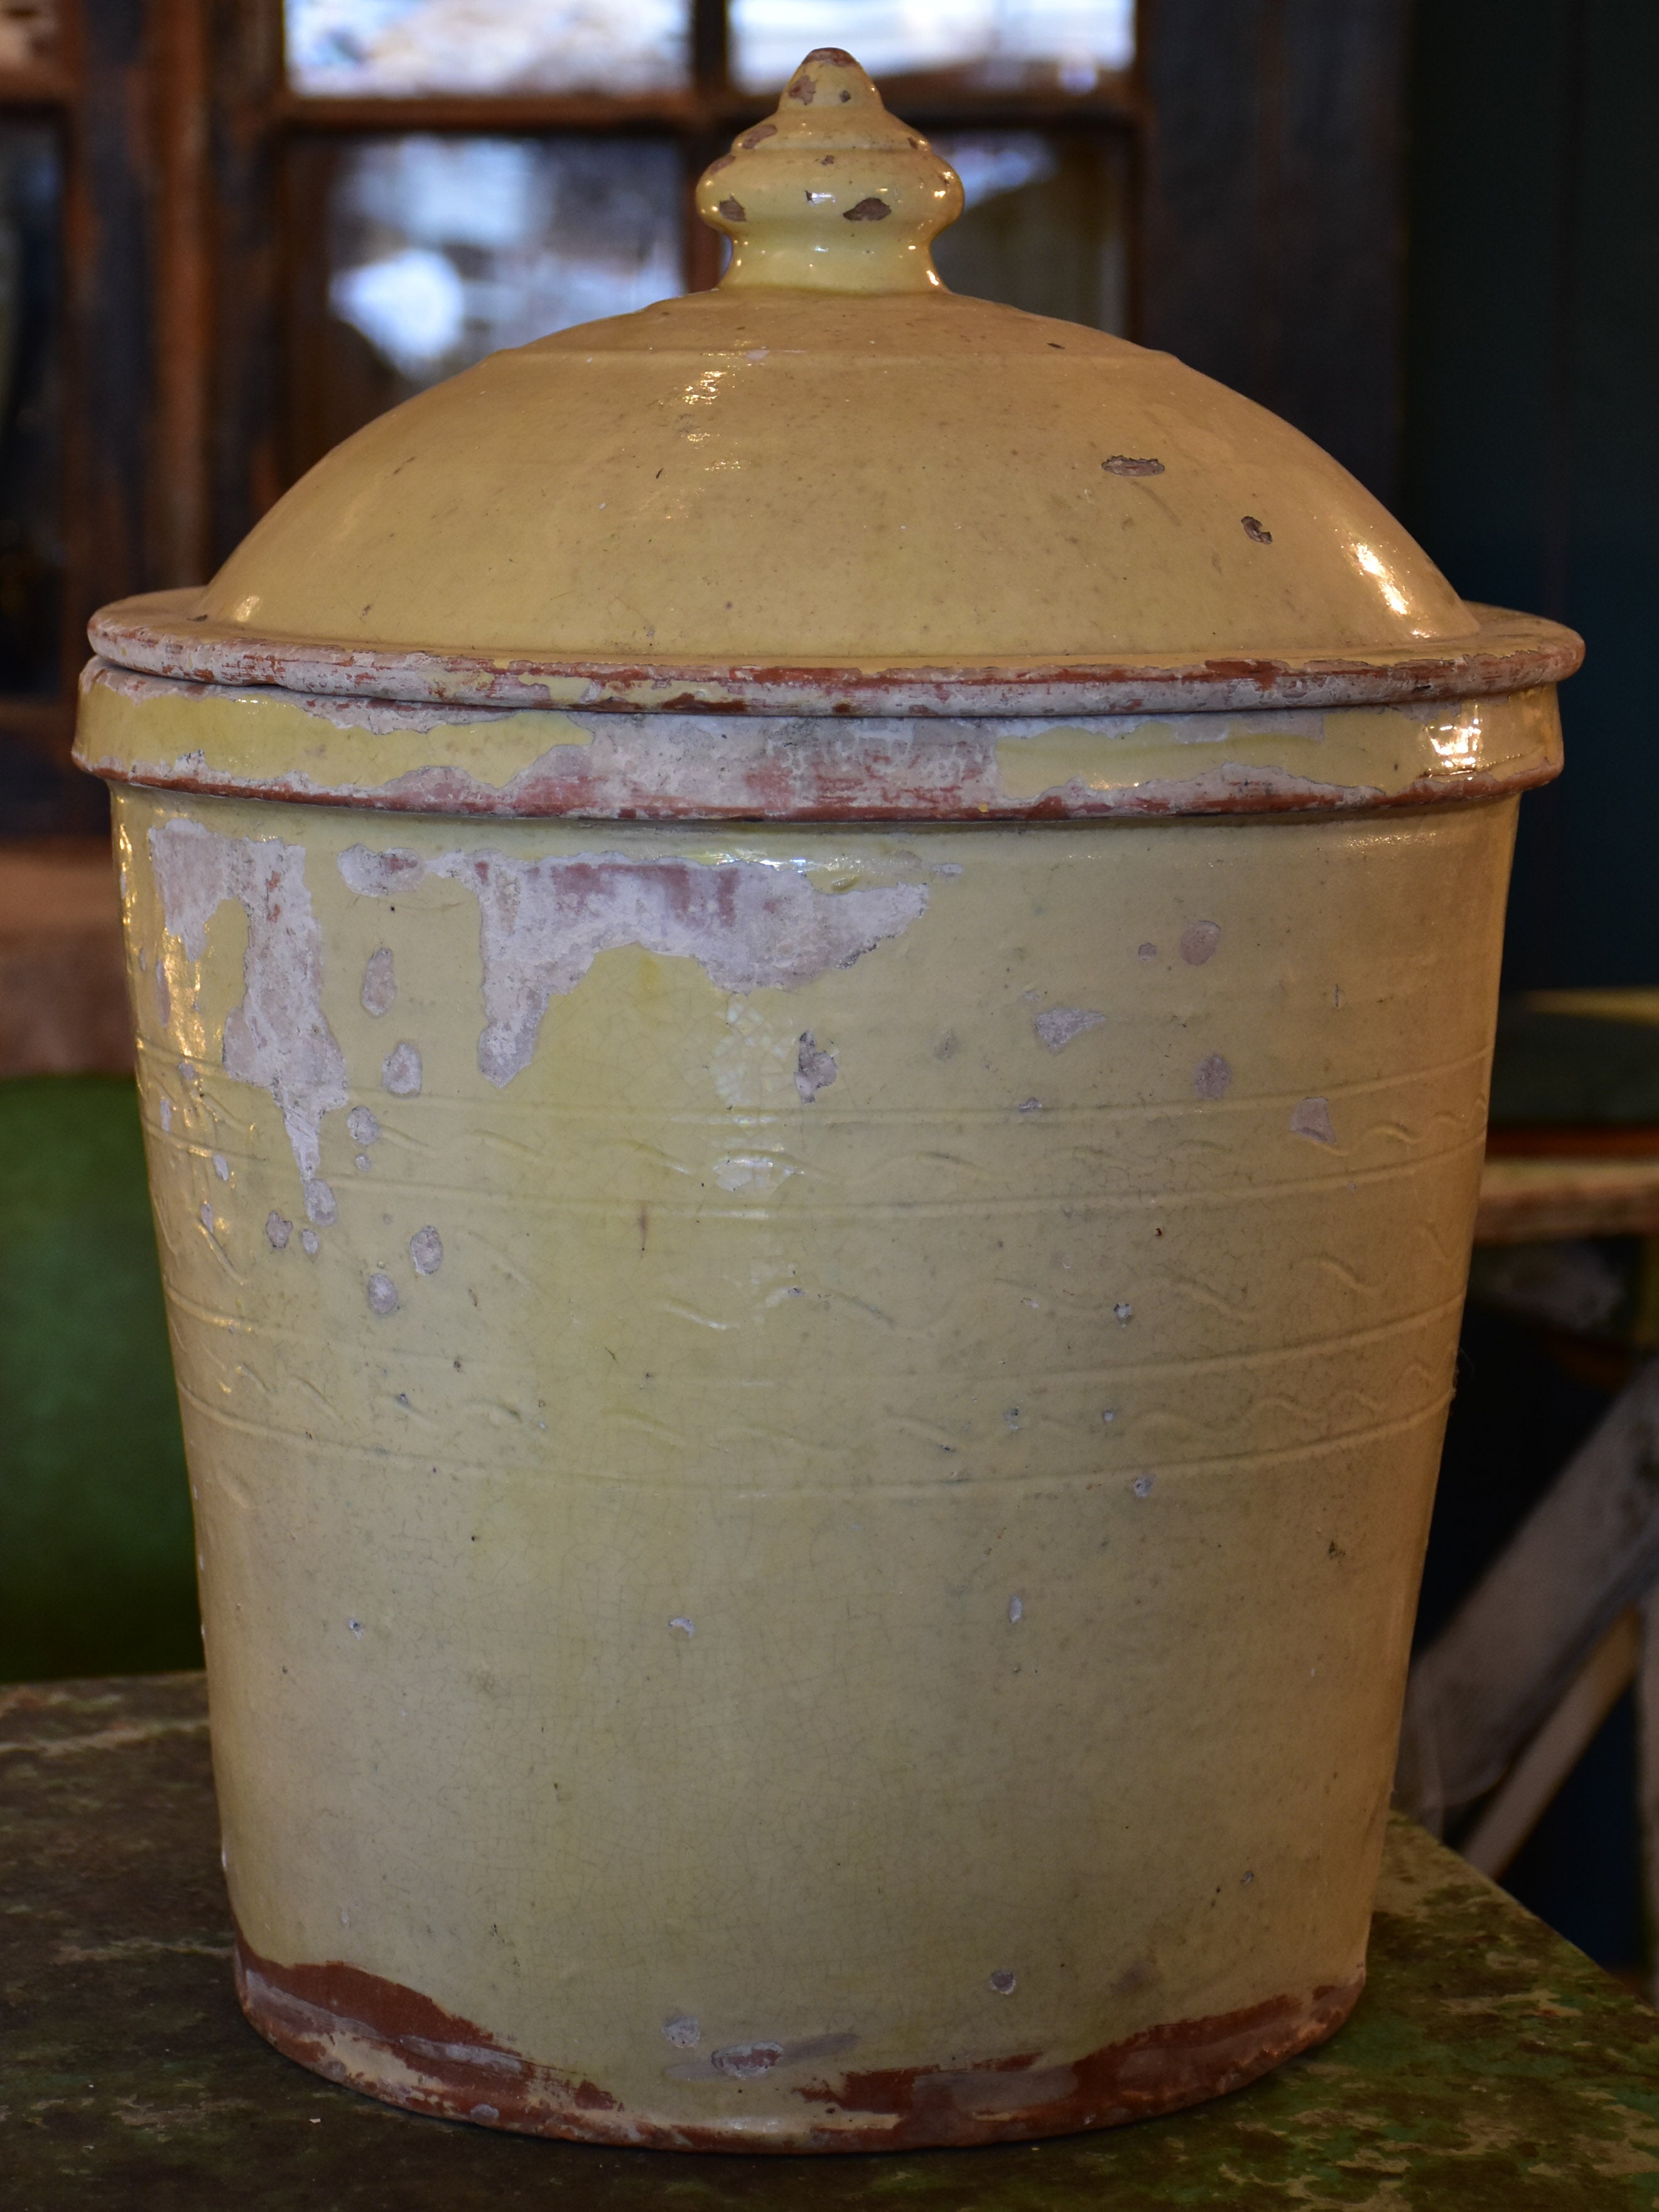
{"x":351,"y":2025}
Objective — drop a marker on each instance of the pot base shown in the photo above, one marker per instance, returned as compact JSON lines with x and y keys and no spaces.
{"x":392,"y":2042}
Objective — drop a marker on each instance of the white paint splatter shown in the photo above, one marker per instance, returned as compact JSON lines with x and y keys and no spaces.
{"x":1125,"y":1313}
{"x":1058,"y":1025}
{"x":278,"y":1037}
{"x":382,"y":1293}
{"x":221,"y":1167}
{"x":380,"y":981}
{"x":356,"y":1628}
{"x":1004,"y":1982}
{"x":426,"y":1251}
{"x":1212,"y":1077}
{"x":685,"y":2031}
{"x":1142,"y":1485}
{"x":401,"y":1071}
{"x":683,"y":1626}
{"x":1015,"y":1609}
{"x":815,"y":1071}
{"x":1312,"y":1118}
{"x":376,"y":875}
{"x":542,"y":923}
{"x":166,"y":1115}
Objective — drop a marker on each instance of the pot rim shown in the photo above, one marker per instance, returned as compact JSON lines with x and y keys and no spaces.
{"x":157,"y":633}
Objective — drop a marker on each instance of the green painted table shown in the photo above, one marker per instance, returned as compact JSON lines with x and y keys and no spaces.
{"x":1488,"y":2065}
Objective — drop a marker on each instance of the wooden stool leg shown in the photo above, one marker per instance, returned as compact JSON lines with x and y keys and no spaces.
{"x":1516,"y":1806}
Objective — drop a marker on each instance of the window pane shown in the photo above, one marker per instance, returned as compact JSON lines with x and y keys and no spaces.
{"x":28,"y":31}
{"x":31,"y":520}
{"x":1046,"y":225}
{"x":1073,"y":43}
{"x":437,"y":251}
{"x":411,"y":47}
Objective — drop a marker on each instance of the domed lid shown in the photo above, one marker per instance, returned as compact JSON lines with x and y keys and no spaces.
{"x":830,"y":485}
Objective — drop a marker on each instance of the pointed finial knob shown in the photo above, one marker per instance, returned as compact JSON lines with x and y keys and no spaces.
{"x":832,"y":193}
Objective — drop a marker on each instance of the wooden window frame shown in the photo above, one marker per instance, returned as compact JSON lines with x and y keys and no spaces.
{"x":1266,"y":174}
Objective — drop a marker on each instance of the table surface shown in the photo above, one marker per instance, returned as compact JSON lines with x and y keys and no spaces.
{"x":1489,"y":2065}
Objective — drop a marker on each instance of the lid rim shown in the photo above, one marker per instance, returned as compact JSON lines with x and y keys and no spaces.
{"x":156,"y":634}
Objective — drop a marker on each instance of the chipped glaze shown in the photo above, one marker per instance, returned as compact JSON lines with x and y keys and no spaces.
{"x":247,"y":742}
{"x":814,"y":977}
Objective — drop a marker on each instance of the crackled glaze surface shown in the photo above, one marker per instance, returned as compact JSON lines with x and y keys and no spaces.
{"x":811,"y":1444}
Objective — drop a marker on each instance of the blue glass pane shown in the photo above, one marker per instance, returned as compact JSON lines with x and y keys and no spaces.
{"x":406,"y":47}
{"x":1069,"y":43}
{"x":445,"y":249}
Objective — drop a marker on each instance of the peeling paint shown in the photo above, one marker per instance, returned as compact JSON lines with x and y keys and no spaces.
{"x":426,"y":1251}
{"x":400,"y":1071}
{"x":1312,"y":1118}
{"x":362,"y":1125}
{"x":278,"y":1037}
{"x":1199,"y":941}
{"x":745,"y":2062}
{"x":1212,"y":1077}
{"x":684,"y":2030}
{"x":815,"y":1071}
{"x":382,"y":1293}
{"x":277,"y":1231}
{"x":380,"y":981}
{"x":1058,"y":1025}
{"x":1089,"y":758}
{"x":542,"y":923}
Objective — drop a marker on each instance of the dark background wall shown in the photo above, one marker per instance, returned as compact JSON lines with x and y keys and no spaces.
{"x":1529,"y":455}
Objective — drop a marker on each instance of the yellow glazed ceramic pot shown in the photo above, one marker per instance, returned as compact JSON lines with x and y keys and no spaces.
{"x":814,"y":975}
